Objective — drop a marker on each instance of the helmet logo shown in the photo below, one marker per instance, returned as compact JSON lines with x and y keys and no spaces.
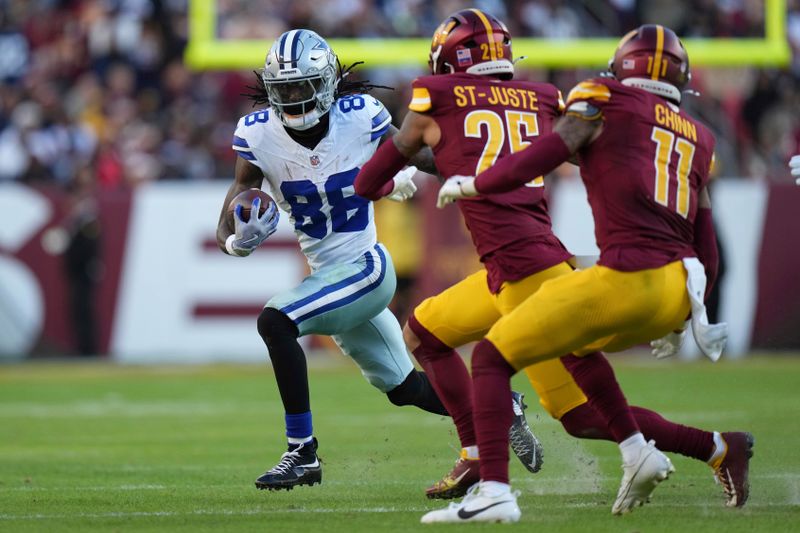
{"x":464,"y":57}
{"x":628,"y":64}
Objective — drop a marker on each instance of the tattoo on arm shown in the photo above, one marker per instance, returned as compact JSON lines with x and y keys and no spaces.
{"x":577,"y":132}
{"x":424,"y":161}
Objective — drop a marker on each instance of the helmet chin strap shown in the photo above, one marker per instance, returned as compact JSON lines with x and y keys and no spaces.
{"x":302,"y":122}
{"x":658,"y":88}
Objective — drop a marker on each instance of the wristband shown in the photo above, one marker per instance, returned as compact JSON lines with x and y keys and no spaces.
{"x":229,"y":244}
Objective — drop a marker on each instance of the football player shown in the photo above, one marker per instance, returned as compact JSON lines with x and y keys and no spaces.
{"x":308,"y":146}
{"x":645,"y":163}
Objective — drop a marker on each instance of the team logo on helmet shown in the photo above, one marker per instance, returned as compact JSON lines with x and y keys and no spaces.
{"x":472,"y":41}
{"x":652,"y":58}
{"x":300,"y":77}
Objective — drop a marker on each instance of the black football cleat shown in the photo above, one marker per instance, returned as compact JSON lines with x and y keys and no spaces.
{"x":298,"y":466}
{"x":523,"y":442}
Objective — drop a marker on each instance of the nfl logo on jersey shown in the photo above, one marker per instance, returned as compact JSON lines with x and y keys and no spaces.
{"x":314,"y":160}
{"x":464,"y":57}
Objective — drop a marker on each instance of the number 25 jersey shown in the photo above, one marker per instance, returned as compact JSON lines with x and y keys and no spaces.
{"x":315,"y":186}
{"x":482,"y":119}
{"x":643,"y":174}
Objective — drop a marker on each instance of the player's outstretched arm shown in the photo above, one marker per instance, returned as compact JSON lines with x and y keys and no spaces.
{"x":246,"y":176}
{"x":374,"y":181}
{"x":571,"y":133}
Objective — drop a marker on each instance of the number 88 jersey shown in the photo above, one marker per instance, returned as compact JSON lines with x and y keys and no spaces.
{"x":315,"y":186}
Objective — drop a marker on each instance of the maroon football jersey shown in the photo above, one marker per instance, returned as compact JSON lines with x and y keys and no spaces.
{"x":482,"y":119}
{"x":642,"y":174}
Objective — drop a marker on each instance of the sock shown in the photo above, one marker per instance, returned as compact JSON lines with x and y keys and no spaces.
{"x":288,"y":360}
{"x":495,"y":488}
{"x":492,"y":409}
{"x":417,"y":390}
{"x":631,"y":447}
{"x":299,"y":428}
{"x":470,"y":453}
{"x":449,"y":377}
{"x":584,"y":423}
{"x":594,"y":376}
{"x":720,"y":447}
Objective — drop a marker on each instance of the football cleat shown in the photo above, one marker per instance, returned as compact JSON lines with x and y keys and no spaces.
{"x":479,"y":505}
{"x":298,"y":466}
{"x":455,"y":484}
{"x":732,"y":469}
{"x":640,"y":478}
{"x":521,"y":438}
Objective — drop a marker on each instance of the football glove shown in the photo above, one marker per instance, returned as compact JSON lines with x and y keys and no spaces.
{"x":794,"y":164}
{"x":404,"y":187}
{"x":455,"y":188}
{"x":668,"y":345}
{"x":249,"y":235}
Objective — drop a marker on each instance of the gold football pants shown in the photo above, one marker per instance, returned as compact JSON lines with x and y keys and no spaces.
{"x":593,"y":309}
{"x":467,"y":311}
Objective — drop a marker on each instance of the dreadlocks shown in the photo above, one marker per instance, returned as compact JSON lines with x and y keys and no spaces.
{"x":344,"y":87}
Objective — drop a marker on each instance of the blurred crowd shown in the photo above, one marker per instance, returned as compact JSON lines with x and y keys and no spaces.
{"x":95,"y":92}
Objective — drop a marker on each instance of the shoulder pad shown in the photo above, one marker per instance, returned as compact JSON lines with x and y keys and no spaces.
{"x":421,"y":97}
{"x":380,"y":117}
{"x":589,"y":90}
{"x":585,"y":110}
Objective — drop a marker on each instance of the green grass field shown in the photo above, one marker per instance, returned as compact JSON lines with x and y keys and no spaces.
{"x":98,"y":447}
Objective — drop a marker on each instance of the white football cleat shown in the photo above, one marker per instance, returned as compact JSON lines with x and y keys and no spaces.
{"x":640,"y":478}
{"x":479,"y":505}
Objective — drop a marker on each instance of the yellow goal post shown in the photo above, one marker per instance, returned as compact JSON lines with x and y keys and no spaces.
{"x":207,"y":52}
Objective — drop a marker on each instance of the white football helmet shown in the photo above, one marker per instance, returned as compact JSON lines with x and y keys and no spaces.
{"x":300,"y":77}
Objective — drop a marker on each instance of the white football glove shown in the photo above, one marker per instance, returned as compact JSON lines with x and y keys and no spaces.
{"x":668,"y":345}
{"x":794,"y":164}
{"x":249,"y":235}
{"x":454,"y":188}
{"x":404,"y":187}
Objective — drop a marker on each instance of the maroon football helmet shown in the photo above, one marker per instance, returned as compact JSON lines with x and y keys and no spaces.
{"x":474,"y":42}
{"x":653,"y":58}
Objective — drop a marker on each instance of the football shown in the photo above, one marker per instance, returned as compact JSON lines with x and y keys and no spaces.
{"x":245,"y":199}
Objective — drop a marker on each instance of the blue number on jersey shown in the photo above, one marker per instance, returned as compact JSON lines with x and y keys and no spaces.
{"x":256,"y":116}
{"x":306,"y":204}
{"x":351,"y":102}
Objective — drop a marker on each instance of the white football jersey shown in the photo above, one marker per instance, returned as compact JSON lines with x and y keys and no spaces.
{"x":315,"y":186}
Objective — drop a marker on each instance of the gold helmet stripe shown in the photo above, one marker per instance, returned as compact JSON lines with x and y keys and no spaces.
{"x":489,"y":32}
{"x":659,"y":51}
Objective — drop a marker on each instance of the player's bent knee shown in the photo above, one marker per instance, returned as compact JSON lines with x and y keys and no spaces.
{"x":406,"y":393}
{"x":273,"y":324}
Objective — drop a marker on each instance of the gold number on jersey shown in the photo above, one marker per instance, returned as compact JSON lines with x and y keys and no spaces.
{"x":665,"y":143}
{"x":496,"y":133}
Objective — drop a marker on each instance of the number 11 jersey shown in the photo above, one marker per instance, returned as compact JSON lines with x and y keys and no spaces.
{"x":643,"y":174}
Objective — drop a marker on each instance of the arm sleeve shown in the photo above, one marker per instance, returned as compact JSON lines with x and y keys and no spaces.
{"x":705,"y":244}
{"x":515,"y":170}
{"x":374,"y":180}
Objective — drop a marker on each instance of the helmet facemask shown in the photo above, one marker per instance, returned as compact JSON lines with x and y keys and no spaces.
{"x":300,"y":78}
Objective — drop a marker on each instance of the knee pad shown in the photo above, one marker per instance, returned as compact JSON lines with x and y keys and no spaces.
{"x":274,"y":324}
